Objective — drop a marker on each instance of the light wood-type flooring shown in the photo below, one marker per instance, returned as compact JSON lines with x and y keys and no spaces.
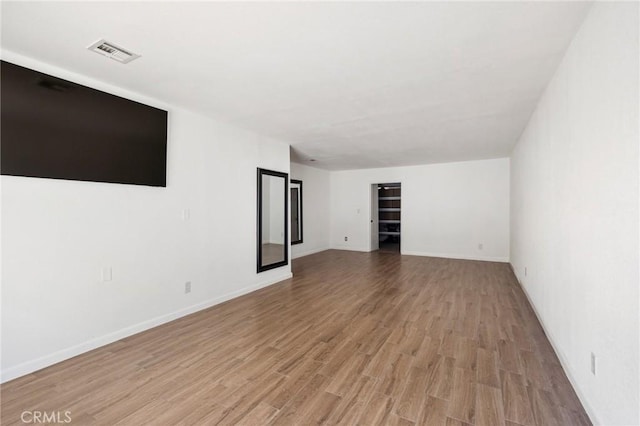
{"x":353,"y":338}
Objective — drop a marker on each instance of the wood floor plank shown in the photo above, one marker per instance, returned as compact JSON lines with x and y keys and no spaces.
{"x":381,"y":360}
{"x":395,"y":420}
{"x":487,"y":336}
{"x":409,"y":339}
{"x":394,"y":378}
{"x":465,"y":353}
{"x":409,"y":405}
{"x":489,"y":408}
{"x":260,"y":415}
{"x":462,"y":405}
{"x":455,"y":422}
{"x":487,"y":372}
{"x":251,"y":397}
{"x":545,"y":412}
{"x":509,"y":356}
{"x":213,"y":416}
{"x":349,"y":374}
{"x":441,"y":379}
{"x":520,"y":337}
{"x":561,"y":389}
{"x":353,"y":338}
{"x":533,"y":371}
{"x":377,"y":410}
{"x":290,"y":413}
{"x":319,"y":409}
{"x":297,"y":380}
{"x":427,"y":355}
{"x":517,"y":406}
{"x":572,"y":417}
{"x":354,"y":402}
{"x":434,"y":411}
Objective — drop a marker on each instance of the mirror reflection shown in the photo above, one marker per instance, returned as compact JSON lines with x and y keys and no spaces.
{"x":272,"y":220}
{"x":295,"y":188}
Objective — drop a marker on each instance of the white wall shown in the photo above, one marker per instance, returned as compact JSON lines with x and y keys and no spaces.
{"x":575,"y":212}
{"x":57,"y":235}
{"x":447,"y":209}
{"x":315,"y":209}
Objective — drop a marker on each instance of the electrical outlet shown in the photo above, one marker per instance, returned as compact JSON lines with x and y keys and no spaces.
{"x":480,"y":246}
{"x":593,"y":363}
{"x":525,"y":271}
{"x":186,"y":214}
{"x":187,"y":287}
{"x":346,"y":238}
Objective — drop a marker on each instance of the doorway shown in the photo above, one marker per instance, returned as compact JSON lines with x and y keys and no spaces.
{"x":386,"y":207}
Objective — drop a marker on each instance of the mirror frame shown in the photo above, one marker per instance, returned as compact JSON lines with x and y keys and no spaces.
{"x":300,"y":215}
{"x":285,"y":176}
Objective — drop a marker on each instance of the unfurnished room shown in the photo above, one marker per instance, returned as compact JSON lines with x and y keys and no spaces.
{"x":339,"y":213}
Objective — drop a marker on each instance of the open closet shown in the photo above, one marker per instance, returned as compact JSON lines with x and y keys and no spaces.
{"x":389,"y":208}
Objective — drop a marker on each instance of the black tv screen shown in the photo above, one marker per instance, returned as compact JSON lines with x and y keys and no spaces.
{"x":54,"y":128}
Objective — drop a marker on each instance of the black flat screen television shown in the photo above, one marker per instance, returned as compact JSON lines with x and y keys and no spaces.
{"x":54,"y":128}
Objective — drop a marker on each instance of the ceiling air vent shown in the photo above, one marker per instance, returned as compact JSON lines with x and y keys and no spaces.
{"x":112,"y":51}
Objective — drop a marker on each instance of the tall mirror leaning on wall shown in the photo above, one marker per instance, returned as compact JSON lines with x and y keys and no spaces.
{"x":272,"y":226}
{"x":295,"y":189}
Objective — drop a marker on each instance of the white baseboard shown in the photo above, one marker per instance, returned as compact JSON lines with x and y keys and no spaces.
{"x":456,"y":256}
{"x":64,"y":354}
{"x":308,"y":252}
{"x":563,"y":360}
{"x":349,"y":248}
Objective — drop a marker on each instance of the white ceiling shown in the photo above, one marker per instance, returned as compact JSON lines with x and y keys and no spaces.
{"x":352,"y":85}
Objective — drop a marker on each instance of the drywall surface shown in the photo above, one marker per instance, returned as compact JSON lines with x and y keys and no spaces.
{"x":448,"y":209}
{"x":315,"y":209}
{"x":58,"y":236}
{"x":574,"y":210}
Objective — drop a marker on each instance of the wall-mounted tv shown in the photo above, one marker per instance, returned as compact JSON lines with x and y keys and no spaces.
{"x":54,"y":128}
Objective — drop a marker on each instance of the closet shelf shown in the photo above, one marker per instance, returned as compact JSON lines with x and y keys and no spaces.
{"x":388,"y":233}
{"x":390,"y":209}
{"x":388,"y":221}
{"x":389,"y":198}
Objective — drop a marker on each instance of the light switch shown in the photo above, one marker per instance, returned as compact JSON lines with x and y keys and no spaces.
{"x":106,"y":274}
